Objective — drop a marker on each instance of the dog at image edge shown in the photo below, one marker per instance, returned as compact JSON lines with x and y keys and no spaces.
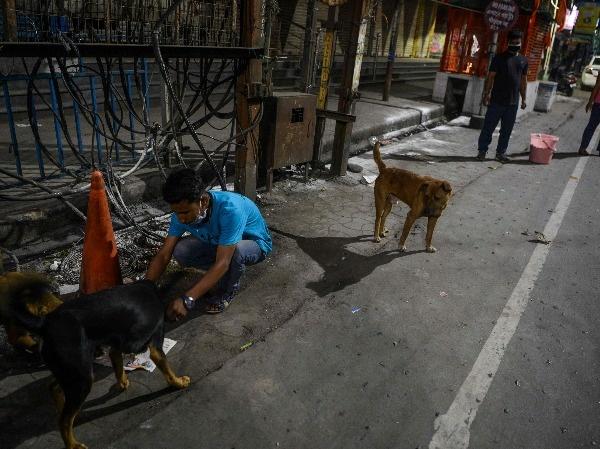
{"x":426,"y":197}
{"x":38,"y":299}
{"x":127,"y":318}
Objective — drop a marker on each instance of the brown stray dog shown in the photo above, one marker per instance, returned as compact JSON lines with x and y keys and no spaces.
{"x":426,"y":197}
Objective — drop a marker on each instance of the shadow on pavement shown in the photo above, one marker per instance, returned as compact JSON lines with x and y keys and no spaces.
{"x":29,"y":411}
{"x":342,"y":267}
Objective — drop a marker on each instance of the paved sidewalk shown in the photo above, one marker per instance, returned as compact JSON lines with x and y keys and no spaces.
{"x":29,"y":227}
{"x":322,"y":234}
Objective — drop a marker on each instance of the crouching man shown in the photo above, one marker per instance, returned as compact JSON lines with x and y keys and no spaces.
{"x":226,"y":233}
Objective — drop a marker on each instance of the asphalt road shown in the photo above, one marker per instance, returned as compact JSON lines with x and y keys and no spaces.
{"x":490,"y":343}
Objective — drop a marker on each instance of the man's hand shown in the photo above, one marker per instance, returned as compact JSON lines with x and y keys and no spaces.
{"x":523,"y":104}
{"x":176,"y":310}
{"x":588,"y":106}
{"x":487,"y":98}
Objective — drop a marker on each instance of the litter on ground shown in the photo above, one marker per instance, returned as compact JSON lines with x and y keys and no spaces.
{"x":136,"y":361}
{"x":368,"y":179}
{"x":541,"y":238}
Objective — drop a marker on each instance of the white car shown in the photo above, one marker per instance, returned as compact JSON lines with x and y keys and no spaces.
{"x":590,"y":73}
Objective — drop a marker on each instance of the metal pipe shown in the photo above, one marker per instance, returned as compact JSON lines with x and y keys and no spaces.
{"x":11,"y":127}
{"x":309,"y":45}
{"x":38,"y":149}
{"x":376,"y":55}
{"x":392,"y":52}
{"x":57,"y":132}
{"x":77,"y":126}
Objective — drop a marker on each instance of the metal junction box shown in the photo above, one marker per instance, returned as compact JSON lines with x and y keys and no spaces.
{"x":287,"y":132}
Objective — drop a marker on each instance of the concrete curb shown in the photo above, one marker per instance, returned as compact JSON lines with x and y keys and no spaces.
{"x":40,"y":226}
{"x":360,"y":141}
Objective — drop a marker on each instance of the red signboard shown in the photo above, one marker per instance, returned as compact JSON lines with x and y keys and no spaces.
{"x":501,"y":14}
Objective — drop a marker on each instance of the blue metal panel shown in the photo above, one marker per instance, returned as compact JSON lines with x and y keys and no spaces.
{"x":95,"y":110}
{"x":11,"y":126}
{"x":98,"y":137}
{"x":38,"y":150}
{"x":78,"y":126}
{"x":57,"y":130}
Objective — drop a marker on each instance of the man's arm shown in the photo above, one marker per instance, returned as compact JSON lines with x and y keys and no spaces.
{"x":595,"y":90}
{"x":160,"y":261}
{"x":487,"y":90}
{"x":214,"y":273}
{"x":523,"y":90}
{"x":224,"y":254}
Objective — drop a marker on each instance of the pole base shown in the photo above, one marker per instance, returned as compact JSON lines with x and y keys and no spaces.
{"x":476,"y":121}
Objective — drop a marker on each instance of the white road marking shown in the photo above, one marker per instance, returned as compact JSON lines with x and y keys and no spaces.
{"x":452,"y":430}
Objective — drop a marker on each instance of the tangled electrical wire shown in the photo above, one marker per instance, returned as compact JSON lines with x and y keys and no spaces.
{"x":200,"y":126}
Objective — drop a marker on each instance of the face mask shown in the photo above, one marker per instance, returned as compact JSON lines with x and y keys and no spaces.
{"x":200,"y":218}
{"x":514,"y":48}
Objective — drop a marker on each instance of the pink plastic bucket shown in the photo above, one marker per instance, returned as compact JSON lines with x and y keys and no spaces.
{"x":542,"y":148}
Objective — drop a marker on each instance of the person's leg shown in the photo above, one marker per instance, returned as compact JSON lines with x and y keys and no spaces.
{"x":492,"y":117}
{"x":247,"y":252}
{"x":589,"y":130}
{"x":191,"y":252}
{"x":509,"y":116}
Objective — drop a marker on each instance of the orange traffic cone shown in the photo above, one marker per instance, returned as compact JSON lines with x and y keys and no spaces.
{"x":100,"y":262}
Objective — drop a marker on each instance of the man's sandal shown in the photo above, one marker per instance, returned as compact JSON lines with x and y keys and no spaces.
{"x":218,"y":303}
{"x":218,"y":307}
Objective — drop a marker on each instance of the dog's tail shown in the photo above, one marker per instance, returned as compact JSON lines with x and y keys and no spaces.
{"x":377,"y":157}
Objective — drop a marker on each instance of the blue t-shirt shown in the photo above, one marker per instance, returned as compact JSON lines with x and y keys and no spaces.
{"x":232,"y":218}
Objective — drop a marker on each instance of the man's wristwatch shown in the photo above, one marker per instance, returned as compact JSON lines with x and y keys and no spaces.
{"x":188,"y":302}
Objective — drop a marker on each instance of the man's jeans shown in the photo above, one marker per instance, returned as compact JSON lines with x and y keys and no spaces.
{"x":191,"y":252}
{"x":497,"y":113}
{"x":591,"y":127}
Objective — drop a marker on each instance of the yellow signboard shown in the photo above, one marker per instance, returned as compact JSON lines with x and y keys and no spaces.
{"x":587,"y":18}
{"x":325,"y":69}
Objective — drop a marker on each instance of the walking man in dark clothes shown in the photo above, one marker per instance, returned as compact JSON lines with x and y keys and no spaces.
{"x":505,"y":82}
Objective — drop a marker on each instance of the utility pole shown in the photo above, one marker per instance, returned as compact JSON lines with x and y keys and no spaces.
{"x":349,"y":86}
{"x":553,"y":28}
{"x":395,"y":28}
{"x":308,"y":55}
{"x":10,"y":20}
{"x":166,"y":110}
{"x":327,"y":63}
{"x":246,"y":102}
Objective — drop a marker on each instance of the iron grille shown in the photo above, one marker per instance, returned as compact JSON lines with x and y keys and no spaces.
{"x":191,"y":23}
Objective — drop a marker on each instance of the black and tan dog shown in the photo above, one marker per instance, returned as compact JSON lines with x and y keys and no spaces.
{"x":426,"y":197}
{"x":38,"y":299}
{"x":127,"y":318}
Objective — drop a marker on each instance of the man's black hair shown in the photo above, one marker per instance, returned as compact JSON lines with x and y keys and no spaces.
{"x":183,"y":184}
{"x":515,"y":34}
